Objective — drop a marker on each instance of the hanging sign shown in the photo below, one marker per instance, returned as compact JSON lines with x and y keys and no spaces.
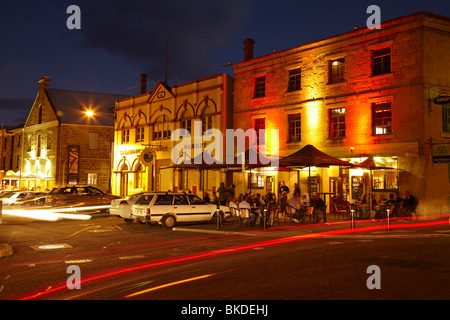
{"x":442,"y":100}
{"x":147,"y":156}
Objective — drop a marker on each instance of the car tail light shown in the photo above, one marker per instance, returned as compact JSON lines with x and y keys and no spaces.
{"x":123,"y":203}
{"x":148,"y":211}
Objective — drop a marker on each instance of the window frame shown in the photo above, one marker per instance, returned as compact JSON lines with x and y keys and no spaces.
{"x":379,"y":105}
{"x":381,"y":61}
{"x":332,"y":124}
{"x":259,"y":87}
{"x":336,"y":70}
{"x":294,"y":79}
{"x":295,"y":127}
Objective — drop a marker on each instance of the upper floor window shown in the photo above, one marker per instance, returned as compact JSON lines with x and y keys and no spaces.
{"x":125,"y":136}
{"x":259,"y":89}
{"x":382,"y":117}
{"x":381,"y":61}
{"x":336,"y":70}
{"x":161,"y":129}
{"x":295,"y":127}
{"x":294,"y":82}
{"x":140,"y":134}
{"x":260,"y":124}
{"x":337,"y":123}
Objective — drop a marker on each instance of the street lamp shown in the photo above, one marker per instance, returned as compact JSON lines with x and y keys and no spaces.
{"x":89,"y":113}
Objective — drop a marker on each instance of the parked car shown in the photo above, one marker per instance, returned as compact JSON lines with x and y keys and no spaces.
{"x":14,"y":196}
{"x":169,"y":209}
{"x":122,"y":207}
{"x":78,"y":196}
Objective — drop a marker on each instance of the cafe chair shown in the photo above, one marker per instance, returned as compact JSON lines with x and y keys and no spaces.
{"x":340,"y":211}
{"x":235,"y":215}
{"x":246,"y":216}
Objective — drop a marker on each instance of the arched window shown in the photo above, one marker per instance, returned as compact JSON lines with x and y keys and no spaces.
{"x":161,"y":128}
{"x":207,"y":119}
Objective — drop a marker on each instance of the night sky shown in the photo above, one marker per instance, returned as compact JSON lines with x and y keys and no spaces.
{"x":119,"y":40}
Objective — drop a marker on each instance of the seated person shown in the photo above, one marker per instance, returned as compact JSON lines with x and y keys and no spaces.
{"x":409,"y":204}
{"x":319,"y":207}
{"x":296,"y":203}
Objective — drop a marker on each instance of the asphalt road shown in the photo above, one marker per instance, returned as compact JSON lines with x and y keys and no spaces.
{"x":128,"y":261}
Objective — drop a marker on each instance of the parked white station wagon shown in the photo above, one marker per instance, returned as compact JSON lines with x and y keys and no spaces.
{"x":171,"y":208}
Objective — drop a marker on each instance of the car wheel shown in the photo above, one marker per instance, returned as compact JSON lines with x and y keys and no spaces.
{"x":168,"y":221}
{"x":127,"y":220}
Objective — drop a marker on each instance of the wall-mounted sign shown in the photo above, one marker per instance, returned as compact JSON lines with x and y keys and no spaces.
{"x":441,"y":153}
{"x":442,"y":100}
{"x":147,"y":156}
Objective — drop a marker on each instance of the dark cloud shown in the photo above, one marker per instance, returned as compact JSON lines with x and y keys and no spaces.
{"x":137,"y":31}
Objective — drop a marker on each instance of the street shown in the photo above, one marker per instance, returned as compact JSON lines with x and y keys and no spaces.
{"x":119,"y":260}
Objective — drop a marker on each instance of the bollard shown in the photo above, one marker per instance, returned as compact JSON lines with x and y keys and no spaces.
{"x":218,"y":217}
{"x":264,"y":216}
{"x":353,"y":222}
{"x":387,"y":211}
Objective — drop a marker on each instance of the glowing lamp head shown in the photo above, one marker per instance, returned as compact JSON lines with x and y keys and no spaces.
{"x":90,"y":113}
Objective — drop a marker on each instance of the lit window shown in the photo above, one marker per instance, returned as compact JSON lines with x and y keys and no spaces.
{"x":294,"y":82}
{"x":260,"y":87}
{"x":92,"y":179}
{"x":337,"y":123}
{"x":381,"y":61}
{"x":336,"y":70}
{"x":295,"y":127}
{"x":386,"y":179}
{"x":382,"y":118}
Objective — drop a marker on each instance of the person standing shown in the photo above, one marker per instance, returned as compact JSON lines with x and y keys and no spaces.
{"x":222,"y":197}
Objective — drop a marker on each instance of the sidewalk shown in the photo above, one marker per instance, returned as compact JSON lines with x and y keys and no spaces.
{"x":231,"y":227}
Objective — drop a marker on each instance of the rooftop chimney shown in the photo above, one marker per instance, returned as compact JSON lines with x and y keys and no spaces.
{"x":248,"y":49}
{"x":143,"y":83}
{"x":43,"y":82}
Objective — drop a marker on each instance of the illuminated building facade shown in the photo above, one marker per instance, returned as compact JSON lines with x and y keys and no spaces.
{"x":355,"y":95}
{"x":143,"y":134}
{"x":61,"y":144}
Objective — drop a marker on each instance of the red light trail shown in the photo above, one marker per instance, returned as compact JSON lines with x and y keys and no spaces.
{"x":238,"y":248}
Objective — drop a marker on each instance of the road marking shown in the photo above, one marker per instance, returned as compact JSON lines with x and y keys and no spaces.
{"x":77,"y":261}
{"x":169,"y":285}
{"x":52,"y":246}
{"x":73,"y":234}
{"x":131,"y":257}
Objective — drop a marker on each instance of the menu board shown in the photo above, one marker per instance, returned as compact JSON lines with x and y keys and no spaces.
{"x":357,"y":187}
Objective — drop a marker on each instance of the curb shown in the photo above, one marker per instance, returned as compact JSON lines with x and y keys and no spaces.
{"x":5,"y":250}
